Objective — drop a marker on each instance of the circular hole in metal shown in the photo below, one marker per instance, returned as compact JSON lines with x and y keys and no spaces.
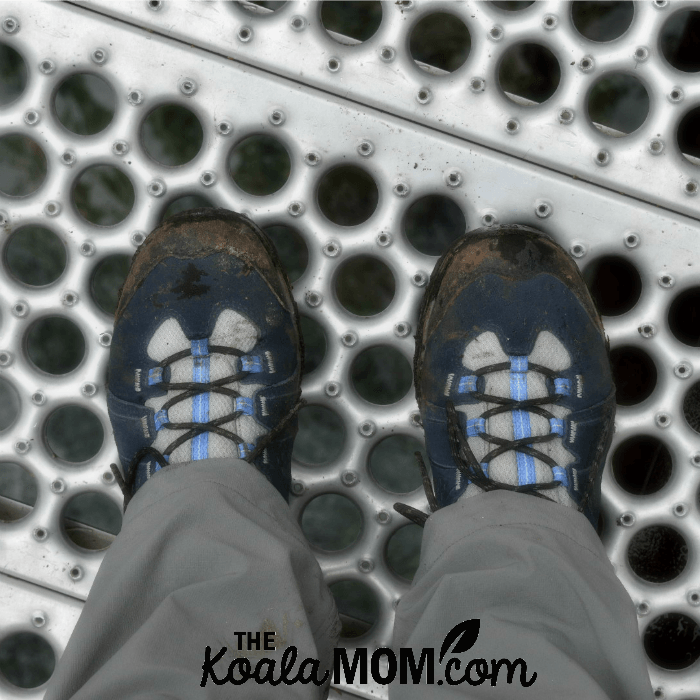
{"x":13,"y":74}
{"x":291,"y":248}
{"x":35,"y":255}
{"x":259,"y":164}
{"x":331,"y":522}
{"x":381,"y":375}
{"x":364,"y":285}
{"x":107,"y":280}
{"x":184,"y":204}
{"x":642,"y":465}
{"x":321,"y":436}
{"x":440,"y":40}
{"x":614,"y":283}
{"x":602,"y":21}
{"x":403,"y":551}
{"x":88,"y":516}
{"x":679,"y":40}
{"x":22,"y":165}
{"x":634,"y":373}
{"x":657,"y":553}
{"x":347,"y":195}
{"x":618,"y":101}
{"x":530,"y":71}
{"x":171,"y":135}
{"x":688,"y":135}
{"x":73,"y":434}
{"x":84,"y":103}
{"x":357,"y":21}
{"x":9,"y":404}
{"x":27,"y":660}
{"x":314,"y":343}
{"x":392,"y":463}
{"x":55,"y":345}
{"x":691,"y":407}
{"x":103,"y":195}
{"x":433,"y":223}
{"x":672,"y":641}
{"x":357,"y":605}
{"x":19,"y":486}
{"x":684,"y":317}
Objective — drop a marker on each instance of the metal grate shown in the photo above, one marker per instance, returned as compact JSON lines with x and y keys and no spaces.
{"x":380,"y":151}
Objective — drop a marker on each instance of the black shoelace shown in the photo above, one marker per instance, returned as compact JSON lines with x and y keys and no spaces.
{"x":464,"y":457}
{"x":190,"y":390}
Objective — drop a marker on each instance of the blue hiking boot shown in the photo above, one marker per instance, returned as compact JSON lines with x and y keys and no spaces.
{"x":206,"y":355}
{"x":512,"y":374}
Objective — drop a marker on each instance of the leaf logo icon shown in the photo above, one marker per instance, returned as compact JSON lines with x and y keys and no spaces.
{"x":469,"y":631}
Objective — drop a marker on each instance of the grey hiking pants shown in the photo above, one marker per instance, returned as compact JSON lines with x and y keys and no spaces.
{"x":209,"y":548}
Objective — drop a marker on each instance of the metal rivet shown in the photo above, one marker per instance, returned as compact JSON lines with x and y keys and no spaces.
{"x":383,"y":517}
{"x":365,"y":148}
{"x":138,"y":237}
{"x":58,"y":486}
{"x":387,"y":54}
{"x":578,"y":249}
{"x":156,"y":188}
{"x":586,"y":64}
{"x":632,"y":240}
{"x":68,"y":158}
{"x":76,"y":572}
{"x":477,"y":84}
{"x":680,"y":510}
{"x":489,"y":219}
{"x":626,"y":519}
{"x":419,"y":278}
{"x":643,"y":608}
{"x":4,"y":218}
{"x":155,"y":5}
{"x":87,"y":248}
{"x":543,"y":209}
{"x":349,"y":338}
{"x":38,"y":618}
{"x":31,"y":117}
{"x":40,"y":533}
{"x":10,"y":25}
{"x":415,"y":419}
{"x":52,"y":208}
{"x":566,"y":115}
{"x":333,"y":64}
{"x":660,"y":4}
{"x":693,"y":597}
{"x":424,"y":95}
{"x":656,"y":147}
{"x":550,"y":21}
{"x":332,"y":249}
{"x":20,"y":308}
{"x":401,"y":189}
{"x":659,"y":693}
{"x":641,"y":53}
{"x":245,"y":34}
{"x":296,"y":208}
{"x":349,"y":478}
{"x":384,"y":239}
{"x":88,"y":389}
{"x":188,"y":86}
{"x":676,"y":94}
{"x":99,"y":56}
{"x":453,"y":178}
{"x":402,"y":329}
{"x":69,"y":298}
{"x":298,"y":487}
{"x":312,"y":158}
{"x":365,"y":565}
{"x":105,"y":339}
{"x":695,"y":459}
{"x":313,"y":298}
{"x":647,"y":330}
{"x":5,"y":358}
{"x":333,"y":389}
{"x":39,"y":398}
{"x":404,"y":5}
{"x":666,"y":281}
{"x":496,"y":32}
{"x":208,"y":178}
{"x":22,"y":446}
{"x":691,"y":188}
{"x":512,"y":126}
{"x":367,"y":428}
{"x":277,"y":117}
{"x":224,"y":128}
{"x":47,"y":66}
{"x":120,"y":148}
{"x":683,"y":370}
{"x":602,"y":157}
{"x":298,"y":23}
{"x":663,"y":420}
{"x":135,"y":97}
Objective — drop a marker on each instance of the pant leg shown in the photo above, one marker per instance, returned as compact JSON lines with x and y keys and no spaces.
{"x":537,"y":576}
{"x":207,"y":549}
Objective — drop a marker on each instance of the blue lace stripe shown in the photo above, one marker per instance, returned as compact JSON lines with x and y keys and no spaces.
{"x":562,"y":386}
{"x":467,"y":384}
{"x":251,"y":363}
{"x":556,"y":425}
{"x":560,"y":475}
{"x":200,"y":403}
{"x":245,"y":405}
{"x":244,"y":449}
{"x":476,"y":426}
{"x":160,"y":418}
{"x":521,"y":419}
{"x":155,"y":376}
{"x":200,"y":348}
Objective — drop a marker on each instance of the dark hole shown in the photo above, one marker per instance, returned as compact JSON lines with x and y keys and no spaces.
{"x":432,"y":223}
{"x":672,"y":641}
{"x":9,"y":404}
{"x":357,"y":20}
{"x":618,"y":101}
{"x":657,"y":554}
{"x":314,"y":343}
{"x":614,"y":283}
{"x":357,"y":606}
{"x":55,"y":345}
{"x":321,"y":436}
{"x":22,"y":165}
{"x":35,"y":255}
{"x":19,"y":485}
{"x":393,"y":465}
{"x":13,"y":75}
{"x":171,"y":135}
{"x":512,"y":5}
{"x":74,"y":434}
{"x":103,"y":195}
{"x":684,"y":317}
{"x":679,"y":40}
{"x":185,"y":203}
{"x":642,"y":465}
{"x":441,"y":40}
{"x":530,"y":71}
{"x":85,"y":104}
{"x":259,"y":165}
{"x":691,"y":407}
{"x":291,"y":248}
{"x":403,"y":551}
{"x":364,"y":285}
{"x":108,"y":279}
{"x":689,"y":133}
{"x":331,"y":522}
{"x":26,"y":659}
{"x":381,"y":375}
{"x":98,"y":512}
{"x":602,"y":21}
{"x":634,"y":373}
{"x":347,"y":195}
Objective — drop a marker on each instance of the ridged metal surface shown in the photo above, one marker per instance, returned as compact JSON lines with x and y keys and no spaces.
{"x":482,"y":168}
